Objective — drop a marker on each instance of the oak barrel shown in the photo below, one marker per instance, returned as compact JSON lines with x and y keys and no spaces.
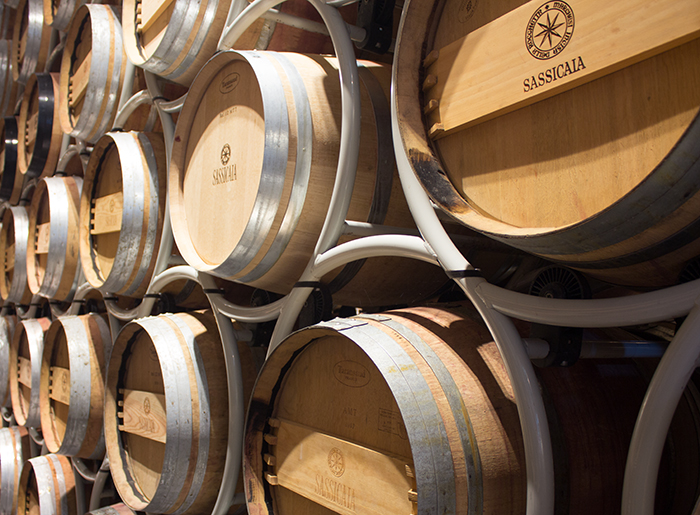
{"x":7,"y":18}
{"x":75,"y":357}
{"x":40,"y":134}
{"x":10,"y":178}
{"x":121,"y":211}
{"x":25,"y":377}
{"x":577,"y":144}
{"x":166,"y":412}
{"x":115,"y":509}
{"x":31,"y":40}
{"x":47,"y":487}
{"x":59,"y":13}
{"x":53,"y":258}
{"x":14,"y":234}
{"x":7,"y":330}
{"x":10,"y":90}
{"x":92,"y":72}
{"x":14,"y":451}
{"x":412,"y":411}
{"x":278,"y":170}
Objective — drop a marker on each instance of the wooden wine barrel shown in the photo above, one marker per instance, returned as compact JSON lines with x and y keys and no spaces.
{"x":115,"y":509}
{"x":279,"y":172}
{"x":92,"y":72}
{"x":40,"y":134}
{"x":10,"y":179}
{"x":7,"y":18}
{"x":10,"y":90}
{"x":7,"y":330}
{"x":14,"y":451}
{"x":25,"y":357}
{"x":412,"y":411}
{"x":59,"y":13}
{"x":166,"y":412}
{"x":577,"y":146}
{"x":47,"y":487}
{"x":121,"y":211}
{"x":53,"y":261}
{"x":173,"y":40}
{"x":76,"y":352}
{"x":31,"y":40}
{"x":14,"y":234}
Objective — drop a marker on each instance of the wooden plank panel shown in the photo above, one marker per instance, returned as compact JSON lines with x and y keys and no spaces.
{"x":108,"y":213}
{"x":79,"y":80}
{"x":144,"y":414}
{"x":60,"y":385}
{"x":43,"y":231}
{"x":10,"y":257}
{"x":152,"y":10}
{"x":340,"y":475}
{"x":490,"y":72}
{"x":31,"y":129}
{"x":24,"y":371}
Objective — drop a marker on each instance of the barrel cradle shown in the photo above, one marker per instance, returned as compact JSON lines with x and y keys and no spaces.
{"x":53,"y":261}
{"x":25,"y":377}
{"x":576,"y":143}
{"x":14,"y":452}
{"x":121,"y":212}
{"x":14,"y":235}
{"x":92,"y":72}
{"x":75,"y":357}
{"x":166,"y":412}
{"x":279,"y":172}
{"x":39,"y":128}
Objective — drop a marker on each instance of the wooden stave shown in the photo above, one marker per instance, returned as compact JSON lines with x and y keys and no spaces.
{"x":638,"y":255}
{"x":270,"y":258}
{"x":7,"y":328}
{"x":189,"y":499}
{"x":7,"y":16}
{"x":11,"y":180}
{"x":60,"y":276}
{"x":107,"y":68}
{"x":30,"y":331}
{"x":115,"y":509}
{"x":38,"y":40}
{"x":55,"y":482}
{"x":41,"y":161}
{"x":132,"y":275}
{"x":14,"y":451}
{"x":89,"y":344}
{"x":17,"y":290}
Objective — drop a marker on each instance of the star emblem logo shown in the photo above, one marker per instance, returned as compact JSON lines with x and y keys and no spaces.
{"x":549,"y":30}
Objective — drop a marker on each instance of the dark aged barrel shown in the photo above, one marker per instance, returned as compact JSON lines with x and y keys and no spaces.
{"x":76,"y":352}
{"x":279,"y":171}
{"x":121,"y":211}
{"x":11,"y":179}
{"x":92,"y":71}
{"x":30,"y":40}
{"x":173,"y":39}
{"x":166,"y":412}
{"x":39,"y":128}
{"x":47,"y":487}
{"x":580,"y":145}
{"x":10,"y":90}
{"x":25,"y":360}
{"x":412,"y":411}
{"x":53,"y":260}
{"x":14,"y":234}
{"x":14,"y":451}
{"x":7,"y":329}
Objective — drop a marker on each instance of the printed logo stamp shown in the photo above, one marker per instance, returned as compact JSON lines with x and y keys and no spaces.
{"x":549,"y":30}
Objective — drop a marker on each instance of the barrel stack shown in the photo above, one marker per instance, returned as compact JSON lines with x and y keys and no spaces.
{"x":548,"y":135}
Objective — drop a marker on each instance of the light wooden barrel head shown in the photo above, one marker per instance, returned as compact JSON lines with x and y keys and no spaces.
{"x":30,"y":40}
{"x":25,"y":357}
{"x":7,"y":329}
{"x":13,"y":249}
{"x":14,"y":451}
{"x":568,"y":153}
{"x":47,"y":485}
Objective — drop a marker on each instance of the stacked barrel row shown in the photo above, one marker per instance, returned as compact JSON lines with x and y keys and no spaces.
{"x":407,"y":411}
